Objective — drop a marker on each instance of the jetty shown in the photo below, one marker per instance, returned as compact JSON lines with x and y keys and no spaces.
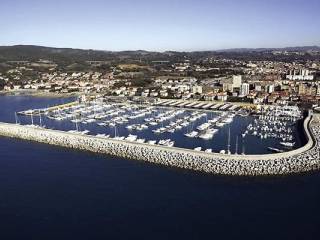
{"x":306,"y":158}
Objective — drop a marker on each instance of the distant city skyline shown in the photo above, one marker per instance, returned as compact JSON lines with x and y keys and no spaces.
{"x":161,"y":25}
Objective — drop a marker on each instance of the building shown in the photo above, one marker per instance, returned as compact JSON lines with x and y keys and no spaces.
{"x":223,"y":96}
{"x":270,"y":88}
{"x":301,"y":75}
{"x":244,"y":89}
{"x":197,"y":89}
{"x":236,"y":81}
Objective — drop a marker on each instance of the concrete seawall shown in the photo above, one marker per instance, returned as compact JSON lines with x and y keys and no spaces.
{"x":303,"y":159}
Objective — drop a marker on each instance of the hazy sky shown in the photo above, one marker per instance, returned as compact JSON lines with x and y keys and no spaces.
{"x":160,"y":25}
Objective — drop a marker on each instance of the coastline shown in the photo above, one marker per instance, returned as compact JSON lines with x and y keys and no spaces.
{"x":39,"y":94}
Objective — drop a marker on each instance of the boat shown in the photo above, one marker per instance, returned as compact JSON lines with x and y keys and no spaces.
{"x":100,"y":135}
{"x":209,"y":150}
{"x":287,"y":144}
{"x":129,"y":127}
{"x":275,"y":150}
{"x":141,"y":140}
{"x":118,"y":138}
{"x":166,"y":142}
{"x":220,"y":124}
{"x":131,"y":138}
{"x":191,"y":134}
{"x":208,"y":134}
{"x":203,"y":126}
{"x":198,"y":149}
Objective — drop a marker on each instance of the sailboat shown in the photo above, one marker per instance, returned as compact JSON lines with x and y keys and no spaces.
{"x":243,"y":153}
{"x":228,"y":151}
{"x":16,"y":117}
{"x":236,"y":146}
{"x":31,"y":114}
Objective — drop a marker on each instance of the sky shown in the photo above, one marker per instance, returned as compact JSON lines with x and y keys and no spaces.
{"x":160,"y":25}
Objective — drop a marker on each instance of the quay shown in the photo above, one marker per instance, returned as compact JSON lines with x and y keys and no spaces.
{"x":306,"y":158}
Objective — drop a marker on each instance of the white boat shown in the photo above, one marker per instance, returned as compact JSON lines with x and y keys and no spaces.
{"x":112,"y":124}
{"x":206,"y":136}
{"x":166,"y":142}
{"x":131,"y":138}
{"x":129,"y":127}
{"x":141,"y":140}
{"x":209,"y":150}
{"x":92,"y":120}
{"x":84,"y":132}
{"x":151,"y":142}
{"x":203,"y":126}
{"x":191,"y":134}
{"x":198,"y":149}
{"x":287,"y":144}
{"x":100,"y":135}
{"x":220,"y":124}
{"x":171,"y":130}
{"x":118,"y":138}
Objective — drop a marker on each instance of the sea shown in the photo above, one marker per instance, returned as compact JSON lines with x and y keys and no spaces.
{"x":51,"y":192}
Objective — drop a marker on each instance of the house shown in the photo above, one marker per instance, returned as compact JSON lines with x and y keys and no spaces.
{"x":210,"y":96}
{"x":223,"y":96}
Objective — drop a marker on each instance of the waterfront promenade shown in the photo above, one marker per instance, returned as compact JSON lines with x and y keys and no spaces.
{"x":303,"y":159}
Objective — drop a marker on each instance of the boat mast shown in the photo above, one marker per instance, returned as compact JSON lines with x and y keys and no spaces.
{"x":236,"y":145}
{"x":32,"y":117}
{"x":229,"y":142}
{"x":40,"y":118}
{"x":77,"y":128}
{"x":16,"y":117}
{"x":243,"y":153}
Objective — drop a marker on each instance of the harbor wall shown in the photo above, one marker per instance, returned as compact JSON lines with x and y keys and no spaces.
{"x":299,"y":160}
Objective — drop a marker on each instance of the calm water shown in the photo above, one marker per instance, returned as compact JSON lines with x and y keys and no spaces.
{"x":250,"y":144}
{"x":55,"y":193}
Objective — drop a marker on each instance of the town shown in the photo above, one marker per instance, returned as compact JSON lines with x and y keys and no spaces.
{"x":281,"y":77}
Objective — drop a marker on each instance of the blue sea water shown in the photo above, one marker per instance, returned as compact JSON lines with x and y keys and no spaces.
{"x":56,"y":193}
{"x":248,"y":145}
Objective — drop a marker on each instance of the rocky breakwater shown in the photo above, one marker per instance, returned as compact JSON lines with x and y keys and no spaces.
{"x":299,"y":160}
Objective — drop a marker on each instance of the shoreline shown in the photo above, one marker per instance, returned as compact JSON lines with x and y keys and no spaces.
{"x":39,"y":94}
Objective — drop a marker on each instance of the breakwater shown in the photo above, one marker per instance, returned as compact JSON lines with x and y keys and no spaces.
{"x":303,"y":159}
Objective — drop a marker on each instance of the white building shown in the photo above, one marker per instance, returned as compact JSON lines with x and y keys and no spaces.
{"x":270,"y":88}
{"x":302,"y":75}
{"x":197,"y":89}
{"x":244,"y":89}
{"x":236,"y":81}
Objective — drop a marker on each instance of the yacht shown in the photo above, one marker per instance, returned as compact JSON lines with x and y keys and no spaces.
{"x":191,"y":134}
{"x":131,"y":138}
{"x":287,"y":144}
{"x":152,"y":142}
